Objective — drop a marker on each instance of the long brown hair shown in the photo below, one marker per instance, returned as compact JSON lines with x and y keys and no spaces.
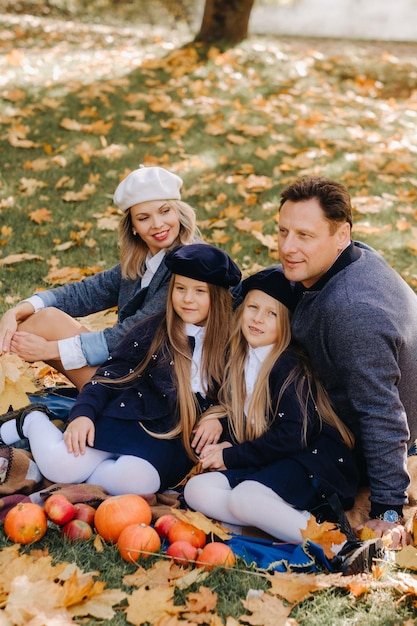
{"x":260,"y":412}
{"x":133,"y":250}
{"x":171,"y":341}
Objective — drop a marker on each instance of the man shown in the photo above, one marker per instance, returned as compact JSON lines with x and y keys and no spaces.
{"x":357,"y":319}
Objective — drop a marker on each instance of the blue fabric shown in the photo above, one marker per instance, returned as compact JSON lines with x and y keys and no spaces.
{"x":58,"y":402}
{"x":306,"y":557}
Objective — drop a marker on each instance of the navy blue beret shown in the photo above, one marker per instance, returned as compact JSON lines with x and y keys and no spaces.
{"x":204,"y":262}
{"x":272,"y":282}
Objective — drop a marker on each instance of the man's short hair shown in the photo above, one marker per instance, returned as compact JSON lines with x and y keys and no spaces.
{"x":332,"y":196}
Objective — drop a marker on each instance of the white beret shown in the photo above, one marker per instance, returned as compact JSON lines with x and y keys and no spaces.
{"x":147,"y":183}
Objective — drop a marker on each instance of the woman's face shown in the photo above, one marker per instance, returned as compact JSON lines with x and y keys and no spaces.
{"x":260,"y":325}
{"x":191,"y":300}
{"x":156,"y":223}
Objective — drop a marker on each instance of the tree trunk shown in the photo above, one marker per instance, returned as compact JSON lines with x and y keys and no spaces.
{"x":225,"y":20}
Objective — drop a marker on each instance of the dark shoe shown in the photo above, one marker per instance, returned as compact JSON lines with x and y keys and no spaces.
{"x":20,"y":414}
{"x":357,"y":557}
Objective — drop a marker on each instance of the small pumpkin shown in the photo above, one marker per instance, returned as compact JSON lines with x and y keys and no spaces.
{"x":25,"y":523}
{"x":138,"y":540}
{"x":117,"y":512}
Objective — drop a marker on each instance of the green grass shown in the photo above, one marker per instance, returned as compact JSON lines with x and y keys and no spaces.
{"x":332,"y":607}
{"x":285,"y":107}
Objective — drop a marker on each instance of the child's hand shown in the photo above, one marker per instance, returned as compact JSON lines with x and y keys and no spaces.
{"x":207,"y":432}
{"x":212,"y":456}
{"x":78,"y":434}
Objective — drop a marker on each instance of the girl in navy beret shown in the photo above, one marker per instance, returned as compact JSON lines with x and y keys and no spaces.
{"x":288,"y":450}
{"x":134,"y":427}
{"x":155,"y":220}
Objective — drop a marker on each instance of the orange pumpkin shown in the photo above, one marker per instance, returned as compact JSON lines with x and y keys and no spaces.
{"x":216,"y":553}
{"x":117,"y":512}
{"x":138,"y":540}
{"x":25,"y":523}
{"x":183,"y":531}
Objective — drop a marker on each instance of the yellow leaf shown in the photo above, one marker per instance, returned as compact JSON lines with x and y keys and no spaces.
{"x":407,"y":557}
{"x":163,"y":572}
{"x":202,"y":522}
{"x":151,"y":605}
{"x":99,"y":606}
{"x":295,"y":587}
{"x":14,"y":95}
{"x":77,"y":589}
{"x":69,"y":274}
{"x":325,"y":534}
{"x":366,"y":533}
{"x":41,"y":215}
{"x":84,"y":194}
{"x":98,"y":543}
{"x":203,"y":600}
{"x":18,"y":258}
{"x":15,"y":382}
{"x":237,"y":139}
{"x":29,"y":186}
{"x":266,"y":610}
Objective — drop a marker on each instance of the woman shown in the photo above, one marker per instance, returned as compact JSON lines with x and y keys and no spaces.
{"x":135,"y":425}
{"x":155,"y":220}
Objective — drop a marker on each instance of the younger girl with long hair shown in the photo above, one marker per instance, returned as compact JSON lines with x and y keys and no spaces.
{"x":155,"y":220}
{"x":134,"y":427}
{"x":288,"y":448}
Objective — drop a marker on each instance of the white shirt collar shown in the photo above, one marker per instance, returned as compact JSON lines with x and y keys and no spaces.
{"x":260,"y":353}
{"x":152,"y":263}
{"x":191,"y":330}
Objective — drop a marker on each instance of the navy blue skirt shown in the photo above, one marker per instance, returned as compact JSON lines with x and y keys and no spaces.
{"x":167,"y":456}
{"x":288,"y":478}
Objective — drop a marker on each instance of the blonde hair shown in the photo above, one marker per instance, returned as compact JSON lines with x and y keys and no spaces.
{"x":133,"y":250}
{"x":261,"y":413}
{"x":177,"y":349}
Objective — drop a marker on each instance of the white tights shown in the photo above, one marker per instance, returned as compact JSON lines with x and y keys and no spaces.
{"x":248,"y":504}
{"x":116,"y":474}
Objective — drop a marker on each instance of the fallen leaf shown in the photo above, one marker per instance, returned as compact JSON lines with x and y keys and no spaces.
{"x":18,"y":258}
{"x":41,"y":215}
{"x":266,"y":610}
{"x":325,"y":534}
{"x":295,"y":587}
{"x":204,"y":600}
{"x":151,"y":605}
{"x":407,"y":557}
{"x":199,"y":520}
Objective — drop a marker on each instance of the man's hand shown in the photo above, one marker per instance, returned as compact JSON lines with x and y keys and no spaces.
{"x":396,"y":533}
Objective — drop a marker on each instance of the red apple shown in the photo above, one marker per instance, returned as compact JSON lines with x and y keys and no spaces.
{"x":59,"y":509}
{"x":164,"y":523}
{"x":183,"y":552}
{"x":85,"y":512}
{"x":77,"y":529}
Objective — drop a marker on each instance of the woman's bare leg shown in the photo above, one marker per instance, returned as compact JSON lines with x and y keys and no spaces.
{"x":52,"y":325}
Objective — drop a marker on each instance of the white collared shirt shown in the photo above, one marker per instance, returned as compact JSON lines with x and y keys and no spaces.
{"x":197,"y":385}
{"x":254,"y":361}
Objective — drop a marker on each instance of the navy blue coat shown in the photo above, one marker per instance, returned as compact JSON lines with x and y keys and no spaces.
{"x":326,"y":461}
{"x":150,"y":399}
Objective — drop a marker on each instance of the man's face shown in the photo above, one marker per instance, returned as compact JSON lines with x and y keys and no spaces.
{"x":307,"y":247}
